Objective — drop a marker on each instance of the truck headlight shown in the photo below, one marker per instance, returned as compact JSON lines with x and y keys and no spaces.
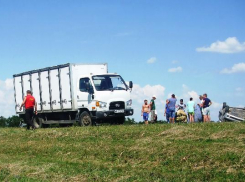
{"x":129,"y":102}
{"x":101,"y":104}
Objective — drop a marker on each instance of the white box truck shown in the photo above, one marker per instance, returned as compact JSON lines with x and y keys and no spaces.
{"x":69,"y":93}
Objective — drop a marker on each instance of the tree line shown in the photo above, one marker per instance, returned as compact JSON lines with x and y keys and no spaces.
{"x":13,"y":121}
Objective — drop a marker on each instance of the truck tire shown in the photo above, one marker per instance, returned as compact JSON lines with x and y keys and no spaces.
{"x":85,"y":119}
{"x":120,"y":120}
{"x":38,"y":123}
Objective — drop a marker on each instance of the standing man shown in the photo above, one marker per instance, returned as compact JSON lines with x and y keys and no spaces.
{"x":171,"y":106}
{"x":145,"y":111}
{"x":30,"y":103}
{"x":153,"y":108}
{"x":205,"y":105}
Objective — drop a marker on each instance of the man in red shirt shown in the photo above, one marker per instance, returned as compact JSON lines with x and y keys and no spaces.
{"x":30,"y":103}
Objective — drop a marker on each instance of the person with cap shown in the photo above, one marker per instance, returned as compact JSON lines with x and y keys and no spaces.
{"x":171,"y":106}
{"x":30,"y":104}
{"x":153,"y":108}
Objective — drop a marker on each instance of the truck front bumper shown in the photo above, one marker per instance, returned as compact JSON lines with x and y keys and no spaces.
{"x":112,"y":114}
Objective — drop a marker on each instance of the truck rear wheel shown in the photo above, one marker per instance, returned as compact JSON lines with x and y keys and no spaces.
{"x":38,"y":123}
{"x":85,"y":119}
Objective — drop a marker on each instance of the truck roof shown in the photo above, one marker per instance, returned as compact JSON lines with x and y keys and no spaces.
{"x":55,"y":67}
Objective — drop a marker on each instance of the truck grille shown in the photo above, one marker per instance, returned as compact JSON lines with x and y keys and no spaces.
{"x":117,"y":105}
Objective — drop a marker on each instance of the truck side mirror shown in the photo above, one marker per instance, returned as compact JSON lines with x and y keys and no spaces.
{"x":131,"y":84}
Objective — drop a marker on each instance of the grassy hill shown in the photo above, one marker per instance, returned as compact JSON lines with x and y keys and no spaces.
{"x":160,"y":152}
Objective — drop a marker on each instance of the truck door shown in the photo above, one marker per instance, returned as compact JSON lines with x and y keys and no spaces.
{"x":36,"y":89}
{"x":84,"y":98}
{"x":45,"y":90}
{"x":18,"y":93}
{"x":65,"y":88}
{"x":55,"y":89}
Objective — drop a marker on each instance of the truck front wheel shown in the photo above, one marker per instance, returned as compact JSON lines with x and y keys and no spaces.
{"x":121,"y":120}
{"x":85,"y":119}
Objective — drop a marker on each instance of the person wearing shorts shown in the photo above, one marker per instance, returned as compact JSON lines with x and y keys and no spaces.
{"x":145,"y":111}
{"x":171,"y":106}
{"x":190,"y":110}
{"x":206,"y":111}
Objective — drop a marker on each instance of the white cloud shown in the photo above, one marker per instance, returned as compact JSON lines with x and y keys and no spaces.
{"x":239,"y":67}
{"x":151,"y":60}
{"x":173,"y":70}
{"x":230,"y":45}
{"x":7,"y":104}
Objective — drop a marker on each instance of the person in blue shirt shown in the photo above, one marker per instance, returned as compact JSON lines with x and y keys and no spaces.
{"x":171,"y":106}
{"x":166,"y":112}
{"x":205,"y":105}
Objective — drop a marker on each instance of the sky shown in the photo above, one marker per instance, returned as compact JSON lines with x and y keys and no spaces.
{"x":183,"y":47}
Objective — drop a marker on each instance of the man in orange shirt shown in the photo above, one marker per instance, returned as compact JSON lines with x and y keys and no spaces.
{"x":30,"y":103}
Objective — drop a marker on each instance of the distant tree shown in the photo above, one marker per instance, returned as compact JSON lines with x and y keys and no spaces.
{"x":2,"y":121}
{"x":13,"y":121}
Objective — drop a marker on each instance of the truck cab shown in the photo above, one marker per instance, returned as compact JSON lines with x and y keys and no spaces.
{"x":105,"y":96}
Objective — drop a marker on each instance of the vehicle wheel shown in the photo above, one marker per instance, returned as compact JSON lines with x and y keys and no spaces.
{"x":85,"y":119}
{"x":38,"y":123}
{"x":121,"y":120}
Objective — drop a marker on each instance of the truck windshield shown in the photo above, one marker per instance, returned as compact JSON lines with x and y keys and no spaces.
{"x":109,"y":82}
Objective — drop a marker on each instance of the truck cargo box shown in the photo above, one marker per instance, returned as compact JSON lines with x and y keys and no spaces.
{"x":53,"y":87}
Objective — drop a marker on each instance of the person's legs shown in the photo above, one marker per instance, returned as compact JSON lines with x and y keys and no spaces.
{"x":29,"y":118}
{"x":208,"y":115}
{"x":192,"y":118}
{"x":145,"y":117}
{"x":167,"y":117}
{"x":152,"y":115}
{"x":204,"y":112}
{"x":172,"y":116}
{"x":29,"y":121}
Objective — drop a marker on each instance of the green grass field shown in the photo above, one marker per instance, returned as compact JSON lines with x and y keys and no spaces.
{"x":158,"y":152}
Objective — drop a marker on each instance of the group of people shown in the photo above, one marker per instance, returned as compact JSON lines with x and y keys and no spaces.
{"x":171,"y":107}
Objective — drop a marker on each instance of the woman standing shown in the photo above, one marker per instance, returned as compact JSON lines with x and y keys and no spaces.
{"x":190,"y":109}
